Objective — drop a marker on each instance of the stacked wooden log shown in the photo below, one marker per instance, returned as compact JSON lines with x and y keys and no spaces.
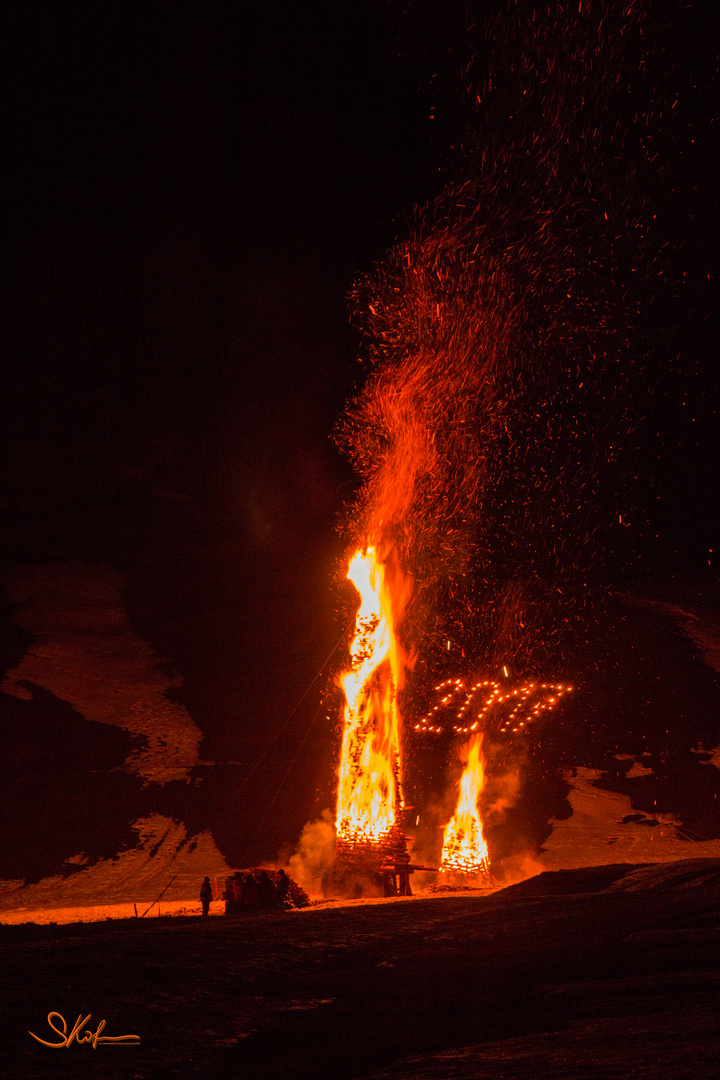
{"x":391,"y":848}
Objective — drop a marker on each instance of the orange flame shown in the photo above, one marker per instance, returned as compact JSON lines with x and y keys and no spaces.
{"x":369,"y":776}
{"x":464,"y":848}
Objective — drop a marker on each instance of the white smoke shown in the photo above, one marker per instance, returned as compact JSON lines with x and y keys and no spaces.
{"x":314,"y":853}
{"x":518,"y":867}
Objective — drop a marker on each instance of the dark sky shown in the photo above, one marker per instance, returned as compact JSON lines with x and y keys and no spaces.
{"x":187,"y":189}
{"x":184,"y":184}
{"x":189,"y":192}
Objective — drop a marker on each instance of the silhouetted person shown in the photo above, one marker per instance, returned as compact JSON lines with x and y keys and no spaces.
{"x":388,"y":883}
{"x":267,"y":890}
{"x":282,"y":889}
{"x":237,"y":884}
{"x":206,"y":895}
{"x":251,"y":893}
{"x":404,"y":877}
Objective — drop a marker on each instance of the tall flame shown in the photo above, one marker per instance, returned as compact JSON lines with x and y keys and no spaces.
{"x":369,"y":776}
{"x":464,"y":847}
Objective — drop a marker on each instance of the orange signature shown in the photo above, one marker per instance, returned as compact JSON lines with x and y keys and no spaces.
{"x":81,"y":1036}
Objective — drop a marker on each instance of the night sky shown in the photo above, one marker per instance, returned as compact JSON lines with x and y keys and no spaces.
{"x":189,"y":193}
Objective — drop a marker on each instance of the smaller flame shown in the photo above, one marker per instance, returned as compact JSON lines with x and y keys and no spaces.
{"x":464,"y":848}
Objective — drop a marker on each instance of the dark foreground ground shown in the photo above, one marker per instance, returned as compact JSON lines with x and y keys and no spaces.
{"x":607,"y":972}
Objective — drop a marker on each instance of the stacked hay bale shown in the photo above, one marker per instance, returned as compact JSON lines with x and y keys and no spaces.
{"x":232,"y":894}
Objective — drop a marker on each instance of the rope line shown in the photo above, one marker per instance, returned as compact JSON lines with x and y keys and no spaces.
{"x":282,"y":783}
{"x":296,"y":707}
{"x":155,"y":901}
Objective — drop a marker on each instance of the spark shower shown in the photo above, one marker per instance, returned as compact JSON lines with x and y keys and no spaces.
{"x":490,"y":431}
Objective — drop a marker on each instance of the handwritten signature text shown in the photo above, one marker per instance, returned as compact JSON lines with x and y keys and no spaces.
{"x":79,"y":1035}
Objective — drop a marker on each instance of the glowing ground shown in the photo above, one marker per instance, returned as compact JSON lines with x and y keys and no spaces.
{"x":609,"y":972}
